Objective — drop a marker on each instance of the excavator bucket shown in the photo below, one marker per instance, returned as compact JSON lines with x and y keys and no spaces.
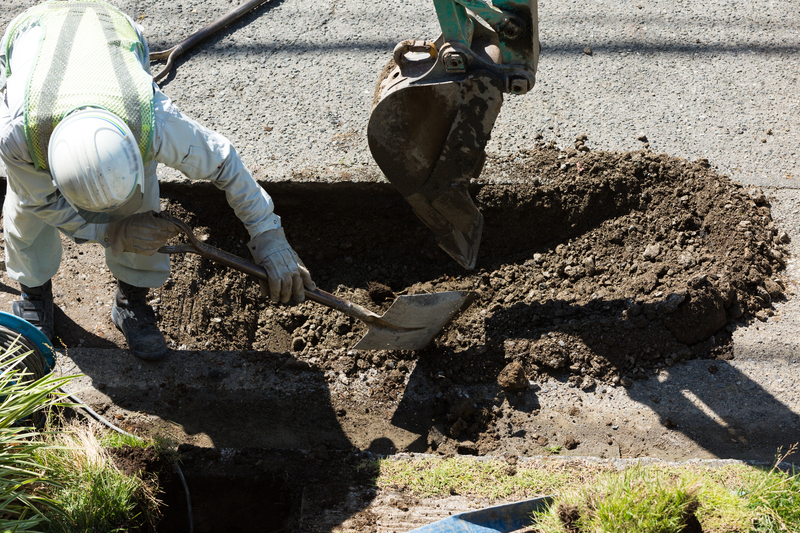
{"x":432,"y":161}
{"x":435,"y":106}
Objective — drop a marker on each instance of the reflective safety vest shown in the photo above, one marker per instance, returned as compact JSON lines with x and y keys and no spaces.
{"x":86,"y":59}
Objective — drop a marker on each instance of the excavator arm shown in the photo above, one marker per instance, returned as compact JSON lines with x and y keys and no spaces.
{"x":436,"y":103}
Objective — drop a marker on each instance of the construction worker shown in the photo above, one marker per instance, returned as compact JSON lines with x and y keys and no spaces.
{"x":82,"y":130}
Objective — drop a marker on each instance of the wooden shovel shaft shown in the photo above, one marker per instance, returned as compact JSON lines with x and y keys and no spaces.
{"x":234,"y":261}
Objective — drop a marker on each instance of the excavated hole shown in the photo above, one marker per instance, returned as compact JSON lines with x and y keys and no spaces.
{"x":595,"y":267}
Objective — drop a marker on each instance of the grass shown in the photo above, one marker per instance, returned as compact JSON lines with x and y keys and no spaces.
{"x":638,"y":499}
{"x":592,"y":499}
{"x":93,"y":494}
{"x":61,"y":479}
{"x":493,"y":479}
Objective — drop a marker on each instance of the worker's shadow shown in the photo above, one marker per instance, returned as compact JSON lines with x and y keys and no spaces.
{"x":258,"y":428}
{"x":69,"y":334}
{"x":710,"y":401}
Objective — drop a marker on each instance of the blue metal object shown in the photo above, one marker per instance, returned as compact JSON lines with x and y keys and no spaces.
{"x":498,"y":519}
{"x":32,"y":334}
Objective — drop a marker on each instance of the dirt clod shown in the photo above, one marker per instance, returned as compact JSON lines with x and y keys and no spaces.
{"x":512,"y":377}
{"x":569,"y":516}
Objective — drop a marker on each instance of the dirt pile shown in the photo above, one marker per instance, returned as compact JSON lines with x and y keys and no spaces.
{"x":602,"y":265}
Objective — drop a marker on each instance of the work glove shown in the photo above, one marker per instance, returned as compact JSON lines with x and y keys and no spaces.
{"x":142,"y":233}
{"x":288,"y":276}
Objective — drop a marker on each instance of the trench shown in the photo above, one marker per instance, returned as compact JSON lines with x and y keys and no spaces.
{"x":596,"y":270}
{"x":248,"y":490}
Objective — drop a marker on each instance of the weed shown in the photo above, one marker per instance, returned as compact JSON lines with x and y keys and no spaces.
{"x":24,"y":483}
{"x":94,"y":494}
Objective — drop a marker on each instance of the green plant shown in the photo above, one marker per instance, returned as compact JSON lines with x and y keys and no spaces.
{"x":555,"y":449}
{"x":636,"y":500}
{"x":489,"y":478}
{"x":24,"y":483}
{"x":94,"y":495}
{"x":774,"y":497}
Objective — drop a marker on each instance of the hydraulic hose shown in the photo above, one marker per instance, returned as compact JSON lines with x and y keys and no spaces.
{"x":173,"y":53}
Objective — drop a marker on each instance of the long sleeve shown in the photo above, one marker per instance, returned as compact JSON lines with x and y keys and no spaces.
{"x":202,"y":154}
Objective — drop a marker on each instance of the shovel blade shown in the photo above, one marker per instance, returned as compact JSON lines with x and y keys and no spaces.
{"x":413,"y":321}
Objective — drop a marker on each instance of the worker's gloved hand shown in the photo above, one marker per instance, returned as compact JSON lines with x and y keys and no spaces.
{"x":142,"y":233}
{"x":288,"y":276}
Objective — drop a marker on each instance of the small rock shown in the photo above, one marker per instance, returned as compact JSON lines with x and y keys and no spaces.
{"x":784,"y":238}
{"x":713,"y":369}
{"x":651,"y":252}
{"x":512,"y":377}
{"x":775,"y":291}
{"x":669,"y":424}
{"x":625,"y":382}
{"x":642,"y":138}
{"x":758,"y":196}
{"x":589,"y":266}
{"x":671,"y":302}
{"x":587,"y":51}
{"x":570,"y":443}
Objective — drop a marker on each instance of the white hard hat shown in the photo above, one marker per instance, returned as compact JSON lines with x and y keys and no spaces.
{"x":96,"y":164}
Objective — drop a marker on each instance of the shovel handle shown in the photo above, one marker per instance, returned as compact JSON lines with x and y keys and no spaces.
{"x":198,"y":247}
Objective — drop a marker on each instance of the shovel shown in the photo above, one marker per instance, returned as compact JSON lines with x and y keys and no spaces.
{"x":411,"y":322}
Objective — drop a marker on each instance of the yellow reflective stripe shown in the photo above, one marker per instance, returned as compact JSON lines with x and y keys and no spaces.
{"x":63,"y":80}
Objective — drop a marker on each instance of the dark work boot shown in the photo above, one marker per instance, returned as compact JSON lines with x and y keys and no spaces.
{"x":137,"y":321}
{"x":36,"y":307}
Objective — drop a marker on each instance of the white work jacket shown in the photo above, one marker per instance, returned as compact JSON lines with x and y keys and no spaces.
{"x":178,"y":142}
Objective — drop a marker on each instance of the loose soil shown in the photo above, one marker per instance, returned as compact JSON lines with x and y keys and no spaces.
{"x":603,"y":267}
{"x":596,"y":267}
